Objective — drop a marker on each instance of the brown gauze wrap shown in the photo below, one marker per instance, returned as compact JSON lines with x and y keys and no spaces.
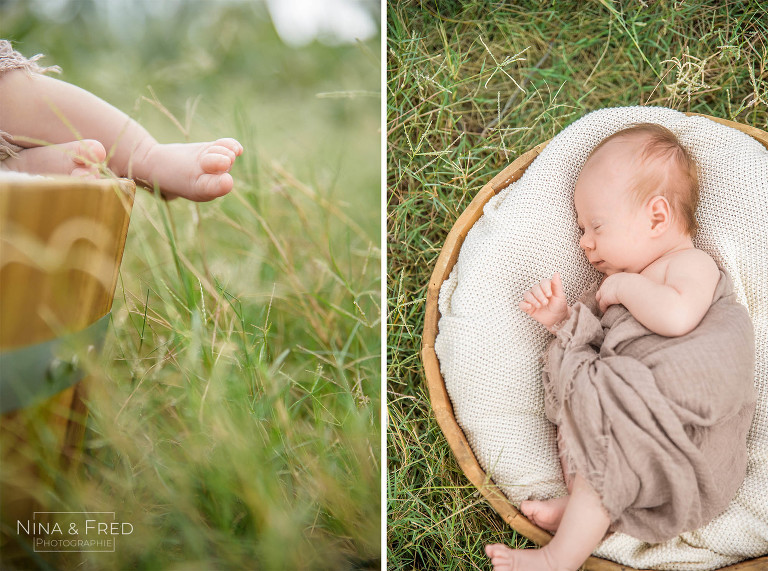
{"x":656,"y":425}
{"x":9,"y":61}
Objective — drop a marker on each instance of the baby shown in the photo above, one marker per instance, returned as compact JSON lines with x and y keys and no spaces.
{"x":635,"y":201}
{"x":640,"y":238}
{"x":48,"y":126}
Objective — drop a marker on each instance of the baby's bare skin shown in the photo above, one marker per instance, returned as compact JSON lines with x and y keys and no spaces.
{"x":67,"y":130}
{"x":547,"y":514}
{"x":649,"y":261}
{"x":78,"y":158}
{"x":583,"y":524}
{"x":652,"y":268}
{"x":200,"y":171}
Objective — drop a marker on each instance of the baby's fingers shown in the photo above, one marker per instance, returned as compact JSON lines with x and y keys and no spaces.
{"x":557,"y":286}
{"x":546,"y":287}
{"x":526,"y":307}
{"x":531,"y":299}
{"x":540,"y":294}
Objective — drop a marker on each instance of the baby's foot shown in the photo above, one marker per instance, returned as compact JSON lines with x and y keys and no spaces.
{"x":196,"y":171}
{"x":546,"y":514}
{"x":505,"y":559}
{"x":78,"y":158}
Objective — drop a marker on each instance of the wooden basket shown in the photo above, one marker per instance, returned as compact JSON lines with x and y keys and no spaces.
{"x":441,"y":403}
{"x":61,"y":243}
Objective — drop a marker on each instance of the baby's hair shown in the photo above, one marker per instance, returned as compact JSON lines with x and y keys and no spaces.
{"x":661,"y":146}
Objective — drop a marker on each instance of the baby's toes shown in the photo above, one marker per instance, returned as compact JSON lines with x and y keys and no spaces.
{"x":230,"y":144}
{"x":89,"y":151}
{"x":528,"y":509}
{"x":210,"y":186}
{"x":500,"y":555}
{"x":217,"y":160}
{"x":85,"y":172}
{"x":222,"y":150}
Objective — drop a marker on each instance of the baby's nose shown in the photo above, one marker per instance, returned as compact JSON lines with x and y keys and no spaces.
{"x":586,"y":243}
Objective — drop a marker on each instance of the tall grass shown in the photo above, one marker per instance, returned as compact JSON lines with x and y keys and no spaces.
{"x":470,"y":86}
{"x":234,"y":417}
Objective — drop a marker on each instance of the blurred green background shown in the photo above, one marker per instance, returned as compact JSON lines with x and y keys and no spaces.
{"x":235,"y":418}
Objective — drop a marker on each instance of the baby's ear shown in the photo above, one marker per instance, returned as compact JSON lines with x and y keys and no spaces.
{"x":659,"y":214}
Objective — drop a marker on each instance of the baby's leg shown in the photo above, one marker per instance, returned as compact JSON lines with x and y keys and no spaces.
{"x":77,"y":158}
{"x":547,"y":514}
{"x":41,"y":108}
{"x":583,"y":526}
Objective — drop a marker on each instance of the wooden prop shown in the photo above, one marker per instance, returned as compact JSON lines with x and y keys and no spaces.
{"x":441,"y":403}
{"x":61,"y":243}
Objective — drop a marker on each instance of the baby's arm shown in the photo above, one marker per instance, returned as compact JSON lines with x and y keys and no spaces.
{"x":672,"y":308}
{"x":546,"y":302}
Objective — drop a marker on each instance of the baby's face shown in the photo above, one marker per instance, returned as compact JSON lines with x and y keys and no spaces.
{"x":614,"y":229}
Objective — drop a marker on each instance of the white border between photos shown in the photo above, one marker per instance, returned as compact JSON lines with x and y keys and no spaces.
{"x":384,"y":312}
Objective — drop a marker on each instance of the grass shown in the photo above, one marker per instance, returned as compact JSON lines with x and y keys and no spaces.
{"x":235,"y":417}
{"x":470,"y":86}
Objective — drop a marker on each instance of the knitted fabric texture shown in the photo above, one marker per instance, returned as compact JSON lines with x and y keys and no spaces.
{"x":490,"y":352}
{"x":10,"y":60}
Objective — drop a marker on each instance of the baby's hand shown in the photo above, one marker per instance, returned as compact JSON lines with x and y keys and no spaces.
{"x":546,"y":302}
{"x":608,"y":294}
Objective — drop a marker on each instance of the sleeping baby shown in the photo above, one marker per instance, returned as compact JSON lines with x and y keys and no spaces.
{"x":650,"y":377}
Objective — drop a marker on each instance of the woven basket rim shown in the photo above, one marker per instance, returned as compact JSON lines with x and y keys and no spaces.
{"x":439,"y":399}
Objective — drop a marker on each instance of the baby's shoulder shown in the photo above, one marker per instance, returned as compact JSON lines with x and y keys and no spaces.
{"x":694,"y":259}
{"x":693,"y":265}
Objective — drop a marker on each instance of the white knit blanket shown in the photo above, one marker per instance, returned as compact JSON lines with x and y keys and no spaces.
{"x":490,"y":351}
